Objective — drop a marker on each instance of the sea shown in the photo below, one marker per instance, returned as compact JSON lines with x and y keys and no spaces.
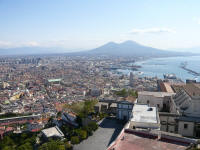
{"x":156,"y":67}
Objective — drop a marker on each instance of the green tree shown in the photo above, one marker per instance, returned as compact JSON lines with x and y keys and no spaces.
{"x":59,"y":114}
{"x":7,"y":141}
{"x":26,"y":146}
{"x":52,"y":145}
{"x":44,"y":147}
{"x":83,"y":134}
{"x":88,"y":129}
{"x":24,"y":136}
{"x":75,"y":140}
{"x":68,"y":145}
{"x":93,"y":126}
{"x":8,"y":148}
{"x":132,"y":93}
{"x":61,"y":147}
{"x":31,"y":140}
{"x":122,"y":93}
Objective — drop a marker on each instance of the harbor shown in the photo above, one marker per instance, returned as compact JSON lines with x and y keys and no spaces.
{"x":157,"y":67}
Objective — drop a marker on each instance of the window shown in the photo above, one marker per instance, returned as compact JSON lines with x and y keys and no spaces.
{"x":125,"y":106}
{"x":185,"y":126}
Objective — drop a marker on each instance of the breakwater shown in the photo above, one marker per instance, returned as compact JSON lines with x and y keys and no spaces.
{"x":183,"y":66}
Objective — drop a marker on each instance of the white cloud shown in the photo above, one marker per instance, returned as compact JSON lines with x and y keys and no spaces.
{"x":63,"y":43}
{"x":5,"y":44}
{"x":32,"y":43}
{"x":152,"y":30}
{"x":9,"y":44}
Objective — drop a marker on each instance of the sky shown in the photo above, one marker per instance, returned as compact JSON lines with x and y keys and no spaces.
{"x":85,"y":24}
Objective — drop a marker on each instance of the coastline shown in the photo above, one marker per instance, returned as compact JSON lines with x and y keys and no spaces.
{"x":153,"y":67}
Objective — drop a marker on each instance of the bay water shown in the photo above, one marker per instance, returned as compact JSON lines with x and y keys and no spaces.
{"x":156,"y":67}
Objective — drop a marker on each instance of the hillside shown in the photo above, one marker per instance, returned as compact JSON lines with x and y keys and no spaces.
{"x":131,"y":48}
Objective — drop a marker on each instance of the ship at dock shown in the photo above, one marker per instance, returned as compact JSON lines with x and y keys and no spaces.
{"x":172,"y":78}
{"x":169,"y":76}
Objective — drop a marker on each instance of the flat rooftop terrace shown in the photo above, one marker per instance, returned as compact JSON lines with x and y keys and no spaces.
{"x":144,"y":113}
{"x":134,"y":142}
{"x":54,"y":80}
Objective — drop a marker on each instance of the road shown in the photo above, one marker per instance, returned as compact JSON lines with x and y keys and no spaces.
{"x":101,"y":139}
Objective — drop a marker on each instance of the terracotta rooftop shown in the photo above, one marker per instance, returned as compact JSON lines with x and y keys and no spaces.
{"x":193,"y":89}
{"x":168,"y":87}
{"x":131,"y":99}
{"x":134,"y":142}
{"x":177,"y":88}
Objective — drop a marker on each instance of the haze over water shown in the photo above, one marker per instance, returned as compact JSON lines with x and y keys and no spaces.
{"x":159,"y":66}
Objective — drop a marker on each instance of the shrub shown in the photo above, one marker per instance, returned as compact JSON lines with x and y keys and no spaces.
{"x":7,"y":148}
{"x":61,"y":147}
{"x":75,"y":140}
{"x":68,"y":146}
{"x":89,"y":130}
{"x":93,"y":126}
{"x":83,"y":134}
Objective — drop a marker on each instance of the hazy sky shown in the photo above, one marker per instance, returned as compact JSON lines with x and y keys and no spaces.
{"x":84,"y":24}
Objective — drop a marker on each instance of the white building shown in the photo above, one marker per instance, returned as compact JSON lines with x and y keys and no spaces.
{"x":144,"y":116}
{"x":53,"y":132}
{"x":124,"y":110}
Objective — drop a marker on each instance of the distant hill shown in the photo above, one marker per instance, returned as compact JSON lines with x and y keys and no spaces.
{"x":30,"y":51}
{"x":131,"y":48}
{"x":192,"y":50}
{"x":127,"y":48}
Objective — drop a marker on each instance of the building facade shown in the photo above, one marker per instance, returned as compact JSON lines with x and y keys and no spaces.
{"x":124,"y":110}
{"x":160,"y":100}
{"x":186,"y":104}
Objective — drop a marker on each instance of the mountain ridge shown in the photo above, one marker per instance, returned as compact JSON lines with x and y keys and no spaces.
{"x":131,"y":48}
{"x":126,"y":48}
